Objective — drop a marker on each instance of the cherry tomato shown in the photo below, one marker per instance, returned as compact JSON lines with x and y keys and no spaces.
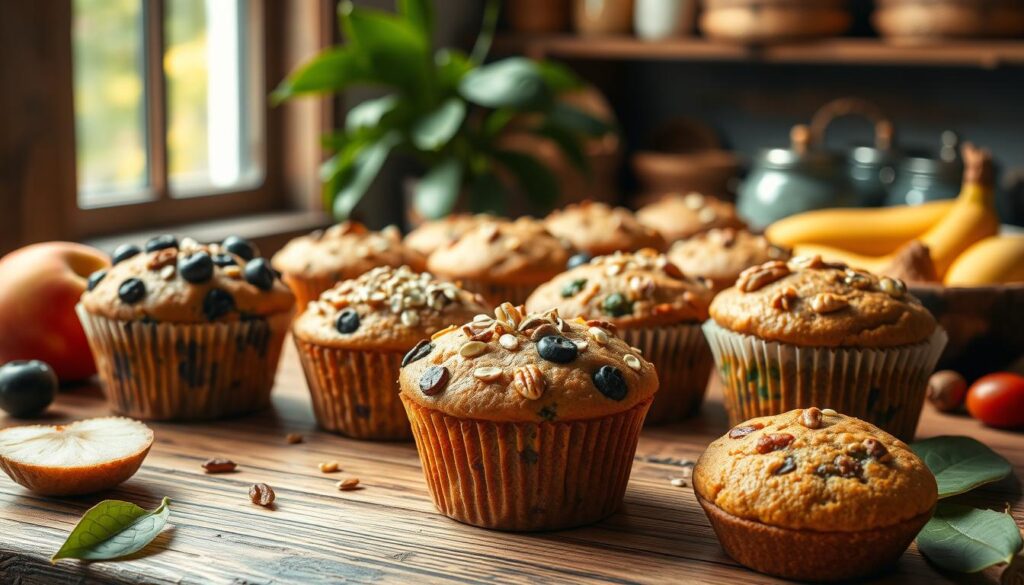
{"x":998,"y":400}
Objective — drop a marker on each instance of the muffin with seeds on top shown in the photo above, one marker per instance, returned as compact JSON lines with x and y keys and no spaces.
{"x":421,"y":242}
{"x":678,"y":217}
{"x":721,"y":254}
{"x":598,"y":229}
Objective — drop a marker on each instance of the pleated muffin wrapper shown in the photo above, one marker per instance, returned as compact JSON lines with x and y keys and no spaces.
{"x":307,"y":288}
{"x":496,"y":293}
{"x":683,"y":359}
{"x":526,"y":476}
{"x":186,"y":371}
{"x":355,"y":392}
{"x":884,"y":386}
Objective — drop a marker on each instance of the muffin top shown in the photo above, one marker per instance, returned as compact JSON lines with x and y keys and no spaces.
{"x":342,"y":251}
{"x":814,"y":303}
{"x":517,"y":252}
{"x":598,"y":229}
{"x":385,"y":309}
{"x":187,"y":282}
{"x":678,"y":217}
{"x":527,"y":368}
{"x":815,"y":470}
{"x":629,"y":289}
{"x":721,"y":254}
{"x":421,"y":242}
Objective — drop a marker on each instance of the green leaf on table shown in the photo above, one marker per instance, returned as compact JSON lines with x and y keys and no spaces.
{"x":435,"y":129}
{"x":513,"y":82}
{"x":394,"y":50}
{"x":370,"y":112}
{"x":358,"y":178}
{"x":960,"y":464}
{"x":113,"y":529}
{"x":535,"y":180}
{"x":575,"y":119}
{"x":964,"y":539}
{"x":438,"y":190}
{"x":332,"y":70}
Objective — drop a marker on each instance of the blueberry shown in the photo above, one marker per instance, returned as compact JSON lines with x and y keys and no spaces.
{"x":124,"y":252}
{"x":217,"y":303}
{"x":434,"y":380}
{"x":420,"y":351}
{"x":258,"y":273}
{"x":197,"y":268}
{"x":94,"y":279}
{"x":616,"y":305}
{"x":161,"y":243}
{"x":27,"y":387}
{"x":610,"y":382}
{"x":240,"y":247}
{"x":577,"y":260}
{"x":555,"y":348}
{"x":348,"y":321}
{"x":574,"y":287}
{"x":223,"y":260}
{"x":132,"y":291}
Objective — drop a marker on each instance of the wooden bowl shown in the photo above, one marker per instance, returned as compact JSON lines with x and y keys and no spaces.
{"x":930,"y":20}
{"x":769,"y":21}
{"x":985,"y":325}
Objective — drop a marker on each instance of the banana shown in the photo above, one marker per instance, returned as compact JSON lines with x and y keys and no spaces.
{"x":994,"y":260}
{"x":870,"y":232}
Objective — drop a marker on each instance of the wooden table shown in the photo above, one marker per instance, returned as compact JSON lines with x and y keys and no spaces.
{"x":389,"y":531}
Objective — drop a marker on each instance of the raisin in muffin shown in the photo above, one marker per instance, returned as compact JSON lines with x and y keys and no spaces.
{"x":813,"y":495}
{"x":502,"y":260}
{"x":421,"y":242}
{"x":654,"y":308}
{"x":721,"y":254}
{"x":351,"y":342}
{"x":186,"y":331}
{"x":806,"y":332}
{"x":678,"y":217}
{"x":315,"y":262}
{"x":599,"y":229}
{"x":526,"y":422}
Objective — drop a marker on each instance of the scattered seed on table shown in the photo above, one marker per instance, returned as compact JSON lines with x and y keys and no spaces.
{"x":219,"y":465}
{"x":261,"y":494}
{"x":293,"y":438}
{"x":329,"y":467}
{"x":678,"y":482}
{"x":348,"y":484}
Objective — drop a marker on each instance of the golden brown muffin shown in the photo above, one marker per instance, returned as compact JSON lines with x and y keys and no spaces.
{"x":599,"y":229}
{"x":810,"y":302}
{"x":678,"y":217}
{"x":526,"y":422}
{"x":313,"y":263}
{"x":351,"y":342}
{"x":502,"y":258}
{"x":812,"y":494}
{"x":721,"y":254}
{"x":421,"y":242}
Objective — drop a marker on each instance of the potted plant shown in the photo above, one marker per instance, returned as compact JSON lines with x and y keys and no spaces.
{"x":444,"y":108}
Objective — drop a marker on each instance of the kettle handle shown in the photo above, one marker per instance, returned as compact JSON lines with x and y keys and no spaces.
{"x":851,"y":106}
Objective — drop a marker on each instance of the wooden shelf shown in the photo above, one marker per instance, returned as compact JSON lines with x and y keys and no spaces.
{"x":839,"y":51}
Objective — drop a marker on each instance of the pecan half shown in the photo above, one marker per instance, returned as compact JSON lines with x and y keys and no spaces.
{"x":757,"y":277}
{"x":823,"y":303}
{"x":773,"y":442}
{"x":529,"y":381}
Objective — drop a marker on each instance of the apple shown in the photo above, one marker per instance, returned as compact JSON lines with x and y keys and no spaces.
{"x":39,"y":287}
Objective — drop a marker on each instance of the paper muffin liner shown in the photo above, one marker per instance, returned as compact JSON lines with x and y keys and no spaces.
{"x":884,"y":386}
{"x":526,"y":476}
{"x":307,"y":288}
{"x":497,"y":293}
{"x":355,"y":392}
{"x":683,"y":360}
{"x":186,"y":371}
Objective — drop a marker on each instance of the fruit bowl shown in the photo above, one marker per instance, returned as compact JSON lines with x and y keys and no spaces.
{"x":985,"y":325}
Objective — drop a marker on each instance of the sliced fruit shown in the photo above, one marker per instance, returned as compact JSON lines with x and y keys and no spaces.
{"x":79,"y":458}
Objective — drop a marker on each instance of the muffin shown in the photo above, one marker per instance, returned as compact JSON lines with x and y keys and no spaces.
{"x":502,"y":260}
{"x":813,"y":495}
{"x":721,"y":254}
{"x":599,"y":229}
{"x":313,"y":263}
{"x":677,"y":217}
{"x":421,"y":242}
{"x":654,"y":308}
{"x":183,"y":331}
{"x":803,"y":333}
{"x":526,"y":422}
{"x":351,"y":342}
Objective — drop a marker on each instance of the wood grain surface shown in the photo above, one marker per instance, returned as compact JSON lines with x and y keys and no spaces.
{"x":388,"y":531}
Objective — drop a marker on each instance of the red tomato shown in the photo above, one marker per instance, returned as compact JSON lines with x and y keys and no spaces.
{"x":998,"y":400}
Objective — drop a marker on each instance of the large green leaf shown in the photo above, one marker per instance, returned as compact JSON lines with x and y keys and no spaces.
{"x":364,"y":169}
{"x":558,"y":77}
{"x":961,"y":538}
{"x":482,"y":47}
{"x":395,"y":51}
{"x":575,"y":119}
{"x":514,"y":82}
{"x":438,"y":191}
{"x":113,"y":529}
{"x":960,"y":464}
{"x":332,"y":70}
{"x":570,"y":145}
{"x":535,"y":180}
{"x":435,"y":129}
{"x":420,"y":13}
{"x":452,"y":65}
{"x":370,"y":112}
{"x":488,"y":195}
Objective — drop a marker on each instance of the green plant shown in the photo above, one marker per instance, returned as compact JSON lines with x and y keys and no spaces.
{"x":445,"y":108}
{"x":113,"y":529}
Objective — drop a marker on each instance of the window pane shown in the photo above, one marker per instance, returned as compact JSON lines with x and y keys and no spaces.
{"x":212,"y":135}
{"x":110,"y":117}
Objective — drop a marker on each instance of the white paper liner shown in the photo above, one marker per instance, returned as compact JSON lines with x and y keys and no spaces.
{"x":683,"y":360}
{"x":169,"y":371}
{"x":884,"y":386}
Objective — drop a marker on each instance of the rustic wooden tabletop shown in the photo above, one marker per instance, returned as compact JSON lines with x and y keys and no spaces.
{"x":388,"y":531}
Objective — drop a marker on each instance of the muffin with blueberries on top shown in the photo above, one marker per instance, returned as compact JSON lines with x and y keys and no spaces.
{"x":421,"y":242}
{"x":678,"y":217}
{"x":186,"y":331}
{"x":526,"y":421}
{"x":721,"y":254}
{"x":598,"y":229}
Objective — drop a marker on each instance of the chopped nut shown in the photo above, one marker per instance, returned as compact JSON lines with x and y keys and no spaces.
{"x":823,"y":303}
{"x":219,"y":466}
{"x":329,"y":467}
{"x":608,"y":326}
{"x":877,"y":451}
{"x":829,"y":412}
{"x":532,"y":323}
{"x":894,"y":287}
{"x":509,"y":342}
{"x":757,"y":277}
{"x":811,"y":418}
{"x":543,"y":331}
{"x":743,"y":431}
{"x":581,"y":344}
{"x":261,"y":494}
{"x":487,"y":374}
{"x":293,"y":438}
{"x":773,"y":442}
{"x":472,"y":349}
{"x":599,"y":335}
{"x":163,"y":258}
{"x":529,"y":382}
{"x":444,"y":331}
{"x":801,"y":262}
{"x":785,"y":299}
{"x":484,"y":336}
{"x":632,"y":361}
{"x":349,"y":484}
